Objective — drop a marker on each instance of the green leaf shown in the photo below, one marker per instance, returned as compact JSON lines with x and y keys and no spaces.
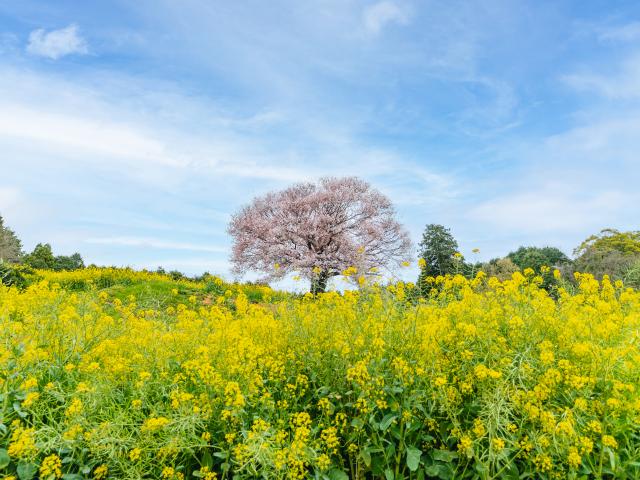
{"x":444,"y":455}
{"x":432,"y":470}
{"x":511,"y":472}
{"x":388,"y":474}
{"x":480,"y":468}
{"x":612,"y":459}
{"x":378,"y":464}
{"x":373,"y":449}
{"x":357,"y":423}
{"x":337,"y":474}
{"x":387,"y":420}
{"x":71,"y":476}
{"x":445,"y":473}
{"x":207,"y":459}
{"x":391,"y":450}
{"x":18,"y":410}
{"x":4,"y":459}
{"x":366,"y":457}
{"x":413,"y":458}
{"x":26,"y":471}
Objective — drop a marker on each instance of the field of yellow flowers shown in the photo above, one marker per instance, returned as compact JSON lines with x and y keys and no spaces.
{"x":117,"y":374}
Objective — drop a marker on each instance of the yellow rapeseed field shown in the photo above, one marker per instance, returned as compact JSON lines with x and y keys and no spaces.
{"x":117,"y":374}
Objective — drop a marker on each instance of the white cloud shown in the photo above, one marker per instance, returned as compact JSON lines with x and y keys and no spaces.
{"x":622,"y":33}
{"x":143,"y":148}
{"x":608,"y":139}
{"x":149,"y":242}
{"x":81,"y":135}
{"x":57,"y":43}
{"x":74,"y":122}
{"x":550,"y":211}
{"x":622,"y":83}
{"x":378,"y":15}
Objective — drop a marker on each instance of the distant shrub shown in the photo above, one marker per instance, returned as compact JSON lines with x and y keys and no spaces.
{"x":14,"y":274}
{"x":632,"y":275}
{"x":43,"y":258}
{"x":538,"y":257}
{"x":599,"y":262}
{"x":501,"y":268}
{"x":610,"y":239}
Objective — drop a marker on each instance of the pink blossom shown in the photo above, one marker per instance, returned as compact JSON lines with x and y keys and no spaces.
{"x":318,"y":230}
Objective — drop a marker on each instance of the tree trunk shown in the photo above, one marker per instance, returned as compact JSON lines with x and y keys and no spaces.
{"x":319,"y":283}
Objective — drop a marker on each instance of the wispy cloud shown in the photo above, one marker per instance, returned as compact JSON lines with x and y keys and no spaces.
{"x":89,"y":143}
{"x":82,"y":135}
{"x":381,"y":14}
{"x":623,"y":82}
{"x":544,"y":211}
{"x":156,"y":243}
{"x":91,"y":126}
{"x":56,"y":44}
{"x":9,"y":42}
{"x":628,"y":32}
{"x":443,"y":106}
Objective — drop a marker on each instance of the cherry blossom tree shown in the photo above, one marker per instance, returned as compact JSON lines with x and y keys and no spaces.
{"x":318,"y":230}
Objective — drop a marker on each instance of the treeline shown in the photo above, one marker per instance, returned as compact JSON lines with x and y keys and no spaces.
{"x":15,"y":263}
{"x":609,"y":252}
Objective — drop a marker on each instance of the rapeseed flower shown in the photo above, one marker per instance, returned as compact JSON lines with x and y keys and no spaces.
{"x":286,"y":386}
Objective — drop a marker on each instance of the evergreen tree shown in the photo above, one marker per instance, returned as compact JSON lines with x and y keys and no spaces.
{"x":437,"y":251}
{"x":10,"y":245}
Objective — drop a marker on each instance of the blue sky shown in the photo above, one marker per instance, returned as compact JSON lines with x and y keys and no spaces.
{"x":131,"y":131}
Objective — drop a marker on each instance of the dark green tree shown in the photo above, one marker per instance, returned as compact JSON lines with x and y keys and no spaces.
{"x":437,"y":249}
{"x":537,"y":257}
{"x":10,"y":245}
{"x":41,"y":257}
{"x":71,"y":262}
